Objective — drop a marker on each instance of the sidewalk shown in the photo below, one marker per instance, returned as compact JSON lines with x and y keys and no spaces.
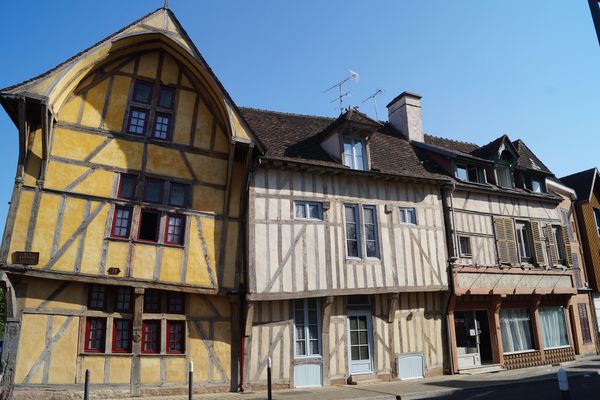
{"x":414,"y":389}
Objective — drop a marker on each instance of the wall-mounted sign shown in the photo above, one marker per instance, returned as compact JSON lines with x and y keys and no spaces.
{"x":114,"y":271}
{"x":26,"y":257}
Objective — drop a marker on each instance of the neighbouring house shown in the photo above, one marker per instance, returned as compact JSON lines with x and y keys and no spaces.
{"x":123,"y":246}
{"x":587,"y":206}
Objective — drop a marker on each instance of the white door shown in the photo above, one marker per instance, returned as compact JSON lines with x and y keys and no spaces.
{"x":308,"y":370}
{"x":360,"y":354}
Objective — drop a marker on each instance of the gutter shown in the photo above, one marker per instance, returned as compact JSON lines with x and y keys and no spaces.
{"x":451,"y":242}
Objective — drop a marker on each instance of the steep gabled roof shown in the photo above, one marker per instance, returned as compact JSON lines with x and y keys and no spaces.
{"x":492,"y":149}
{"x":527,"y":159}
{"x":297,"y":138}
{"x":450,"y":144}
{"x":582,"y":182}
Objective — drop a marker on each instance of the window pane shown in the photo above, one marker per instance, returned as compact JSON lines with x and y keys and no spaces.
{"x":348,"y":160}
{"x":314,"y":347}
{"x":162,"y":126}
{"x":355,"y":353}
{"x":142,"y":92}
{"x":358,"y":155}
{"x":121,"y":222}
{"x":301,"y":348}
{"x":299,"y":317}
{"x":314,"y":211}
{"x":165,"y":97}
{"x":371,"y":249}
{"x":127,"y":185}
{"x":300,"y":210}
{"x":151,"y":300}
{"x":461,"y":172}
{"x":353,"y":323}
{"x":300,"y":332}
{"x":364,"y":352}
{"x":354,"y":337}
{"x":153,"y":190}
{"x":313,"y":332}
{"x":123,"y":301}
{"x":175,"y":229}
{"x":352,"y":248}
{"x":536,"y":185}
{"x":554,"y":328}
{"x":515,"y":327}
{"x":177,"y":195}
{"x":362,"y":323}
{"x":350,"y":214}
{"x":137,"y":121}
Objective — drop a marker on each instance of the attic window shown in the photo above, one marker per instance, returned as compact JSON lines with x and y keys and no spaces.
{"x":536,"y":185}
{"x":354,"y":153}
{"x":470,"y":173}
{"x":503,"y":177}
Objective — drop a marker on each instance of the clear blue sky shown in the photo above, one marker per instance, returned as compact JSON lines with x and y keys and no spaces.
{"x":527,"y":68}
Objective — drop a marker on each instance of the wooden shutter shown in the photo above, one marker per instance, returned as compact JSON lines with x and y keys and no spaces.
{"x":538,"y":244}
{"x":586,"y":335}
{"x":567,"y":246}
{"x":552,"y":252}
{"x":505,"y":241}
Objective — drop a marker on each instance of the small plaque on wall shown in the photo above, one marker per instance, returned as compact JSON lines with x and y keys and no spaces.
{"x":26,"y":257}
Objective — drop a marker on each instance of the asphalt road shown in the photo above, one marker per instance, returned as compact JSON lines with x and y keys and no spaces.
{"x":582,"y":387}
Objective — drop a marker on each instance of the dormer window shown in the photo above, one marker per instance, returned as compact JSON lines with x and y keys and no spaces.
{"x":354,"y":153}
{"x":503,"y":176}
{"x":470,"y":173}
{"x":537,"y":185}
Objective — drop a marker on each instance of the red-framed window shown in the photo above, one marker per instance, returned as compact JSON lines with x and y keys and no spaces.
{"x":142,"y":92}
{"x":175,"y":229}
{"x":153,"y":190}
{"x":152,"y":301}
{"x":121,"y":340}
{"x":149,"y":225}
{"x":138,"y":119}
{"x":151,"y":336}
{"x":97,"y":298}
{"x":179,"y":194}
{"x":127,"y":185}
{"x":123,"y":299}
{"x":121,"y":224}
{"x":95,"y":334}
{"x":175,"y":302}
{"x":166,"y":97}
{"x":176,"y":337}
{"x":162,"y":126}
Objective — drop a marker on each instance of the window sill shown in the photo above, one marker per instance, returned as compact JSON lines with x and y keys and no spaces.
{"x":566,"y":346}
{"x":147,"y":242}
{"x":355,"y":260}
{"x":510,"y":353}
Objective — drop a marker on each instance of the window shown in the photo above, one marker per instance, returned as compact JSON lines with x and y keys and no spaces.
{"x":503,"y":176}
{"x":408,"y":215}
{"x":151,"y":301}
{"x":121,"y":222}
{"x":162,"y":126}
{"x":178,"y":194}
{"x":95,"y":330}
{"x":175,"y":302}
{"x":465,"y":246}
{"x":515,"y":328}
{"x":127,"y":184}
{"x":175,"y":337}
{"x":524,"y":240}
{"x":142,"y":92}
{"x":149,"y":224}
{"x":123,"y":299}
{"x":558,"y":242}
{"x":166,"y":97}
{"x":461,"y":172}
{"x":153,"y":190}
{"x":151,"y":336}
{"x":97,"y":297}
{"x":306,"y":321}
{"x":584,"y":321}
{"x":554,"y":327}
{"x":175,"y":229}
{"x":137,"y":121}
{"x":597,"y":219}
{"x":371,"y":234}
{"x":354,"y":153}
{"x":352,"y":231}
{"x":308,"y":210}
{"x":470,"y":173}
{"x":121,"y":341}
{"x":536,"y":185}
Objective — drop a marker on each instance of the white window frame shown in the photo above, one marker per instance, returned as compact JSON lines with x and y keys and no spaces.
{"x":540,"y":187}
{"x":355,"y":207}
{"x":508,"y":176}
{"x":306,"y":331}
{"x":470,"y":253}
{"x":564,"y":320}
{"x":375,"y":227}
{"x":404,"y":212}
{"x":353,"y":162}
{"x":523,"y":241}
{"x":307,"y":205}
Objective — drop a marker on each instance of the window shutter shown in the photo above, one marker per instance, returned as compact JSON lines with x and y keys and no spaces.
{"x":538,"y":243}
{"x":567,"y":223}
{"x":553,"y":252}
{"x":586,"y":334}
{"x":505,"y":241}
{"x":567,"y":246}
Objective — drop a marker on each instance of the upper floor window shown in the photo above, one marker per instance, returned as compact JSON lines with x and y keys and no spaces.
{"x":151,"y":336}
{"x":97,"y":297}
{"x":157,"y":191}
{"x":470,"y":173}
{"x":138,"y":119}
{"x":308,"y":210}
{"x":524,"y":240}
{"x":123,"y":299}
{"x":597,"y":219}
{"x":559,"y":244}
{"x":537,"y":185}
{"x":354,"y":153}
{"x":179,"y":194}
{"x":121,"y":222}
{"x":503,"y":176}
{"x":145,"y":107}
{"x":408,"y":215}
{"x":95,"y":331}
{"x":352,"y":231}
{"x":354,"y":238}
{"x":176,"y":337}
{"x":142,"y":92}
{"x":371,"y":234}
{"x":121,"y":340}
{"x":175,"y":227}
{"x":153,"y":190}
{"x":127,"y":186}
{"x":464,"y":243}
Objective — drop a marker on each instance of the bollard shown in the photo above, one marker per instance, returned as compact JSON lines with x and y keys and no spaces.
{"x":269,"y":394}
{"x":191,"y":380}
{"x":86,"y":386}
{"x":563,"y":384}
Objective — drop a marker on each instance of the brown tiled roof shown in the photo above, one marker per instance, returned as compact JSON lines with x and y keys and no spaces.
{"x":295,"y":137}
{"x":527,"y":159}
{"x":450,"y":144}
{"x":582,"y":182}
{"x":490,"y":149}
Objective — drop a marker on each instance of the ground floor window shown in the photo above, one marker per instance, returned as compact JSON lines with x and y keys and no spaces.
{"x":515,"y":327}
{"x":95,"y":330}
{"x":554,"y":327}
{"x":306,"y":319}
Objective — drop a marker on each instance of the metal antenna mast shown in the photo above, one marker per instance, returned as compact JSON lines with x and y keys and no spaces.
{"x":373,"y":97}
{"x":353,"y":77}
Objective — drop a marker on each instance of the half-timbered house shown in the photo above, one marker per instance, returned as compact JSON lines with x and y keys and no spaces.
{"x":122,"y":248}
{"x":511,"y":256}
{"x":347,"y":255}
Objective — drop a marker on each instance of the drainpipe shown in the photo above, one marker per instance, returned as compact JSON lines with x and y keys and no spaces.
{"x":451,"y":243}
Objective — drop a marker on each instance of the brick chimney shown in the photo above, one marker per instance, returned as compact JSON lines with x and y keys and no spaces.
{"x":404,"y":113}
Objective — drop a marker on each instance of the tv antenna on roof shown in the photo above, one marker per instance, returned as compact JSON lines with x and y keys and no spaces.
{"x":352,"y":77}
{"x":373,"y":97}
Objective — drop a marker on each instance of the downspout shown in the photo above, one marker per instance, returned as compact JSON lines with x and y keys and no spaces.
{"x":451,"y":241}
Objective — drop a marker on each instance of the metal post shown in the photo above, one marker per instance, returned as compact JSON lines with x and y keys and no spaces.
{"x":563,"y":384}
{"x":86,"y":387}
{"x":191,"y":380}
{"x":269,"y":394}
